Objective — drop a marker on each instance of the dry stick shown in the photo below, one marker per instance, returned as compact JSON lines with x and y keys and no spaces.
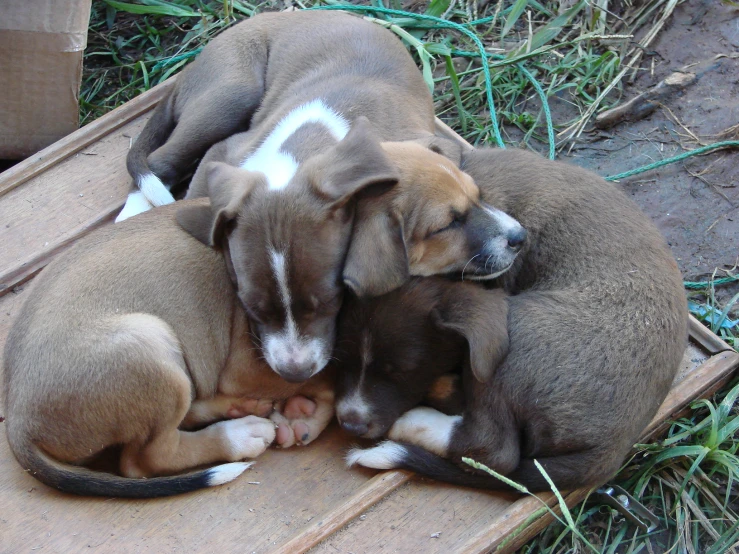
{"x":580,"y":126}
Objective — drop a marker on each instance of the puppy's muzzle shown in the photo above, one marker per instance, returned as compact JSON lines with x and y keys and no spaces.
{"x":496,"y":239}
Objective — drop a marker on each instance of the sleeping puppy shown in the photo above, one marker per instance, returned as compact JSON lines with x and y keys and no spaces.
{"x":316,"y":94}
{"x":394,"y":351}
{"x":135,"y":338}
{"x":597,"y":326}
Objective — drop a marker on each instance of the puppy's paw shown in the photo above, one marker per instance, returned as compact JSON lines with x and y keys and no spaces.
{"x":247,"y":437}
{"x":425,"y":427}
{"x":300,"y":420}
{"x":386,"y":455}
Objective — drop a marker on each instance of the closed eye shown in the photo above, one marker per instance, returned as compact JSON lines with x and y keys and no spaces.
{"x":457,"y":221}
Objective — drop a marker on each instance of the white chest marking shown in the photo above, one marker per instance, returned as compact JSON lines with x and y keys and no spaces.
{"x":279,"y":167}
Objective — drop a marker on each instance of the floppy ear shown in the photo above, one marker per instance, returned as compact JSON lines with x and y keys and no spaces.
{"x":228,"y":189}
{"x":448,"y":148}
{"x":376,"y":262}
{"x":355,"y":163}
{"x":481,"y":317}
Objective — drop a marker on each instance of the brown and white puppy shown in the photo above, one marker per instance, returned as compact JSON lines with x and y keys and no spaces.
{"x":135,"y":338}
{"x":597,"y":326}
{"x":318,"y":93}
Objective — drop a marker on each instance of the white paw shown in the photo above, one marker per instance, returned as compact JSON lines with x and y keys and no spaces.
{"x":425,"y":427}
{"x":248,"y":436}
{"x":386,"y":455}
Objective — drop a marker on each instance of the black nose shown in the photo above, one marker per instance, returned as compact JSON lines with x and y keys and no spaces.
{"x":516,"y":238}
{"x":357,"y":428}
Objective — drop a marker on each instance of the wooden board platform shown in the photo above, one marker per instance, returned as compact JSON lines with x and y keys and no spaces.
{"x":293,"y":500}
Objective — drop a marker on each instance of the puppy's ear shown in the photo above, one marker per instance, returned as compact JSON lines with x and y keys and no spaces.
{"x":448,"y":148}
{"x":376,"y":262}
{"x":354,"y":164}
{"x":481,"y":317}
{"x":228,"y":188}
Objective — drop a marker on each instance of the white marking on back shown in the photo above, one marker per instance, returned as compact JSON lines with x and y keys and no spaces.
{"x":425,"y":427}
{"x":136,"y":203}
{"x":155,"y":191}
{"x":280,"y":167}
{"x":386,"y":455}
{"x":227,"y":472}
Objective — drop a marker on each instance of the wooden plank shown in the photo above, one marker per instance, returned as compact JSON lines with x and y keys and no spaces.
{"x":57,"y":206}
{"x":422,"y":516}
{"x":82,"y":138}
{"x":367,"y":496}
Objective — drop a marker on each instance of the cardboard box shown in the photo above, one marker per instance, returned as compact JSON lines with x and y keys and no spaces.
{"x":41,"y":46}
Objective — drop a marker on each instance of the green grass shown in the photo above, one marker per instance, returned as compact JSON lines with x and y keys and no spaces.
{"x":578,"y":58}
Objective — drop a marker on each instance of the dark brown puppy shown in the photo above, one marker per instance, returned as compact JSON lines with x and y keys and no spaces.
{"x":597,"y":325}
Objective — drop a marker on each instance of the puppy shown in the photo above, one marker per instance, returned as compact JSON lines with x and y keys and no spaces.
{"x":597,"y":325}
{"x":136,"y":339}
{"x":279,"y":71}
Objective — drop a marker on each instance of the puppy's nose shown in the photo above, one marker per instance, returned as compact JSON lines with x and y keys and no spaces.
{"x":516,"y":238}
{"x":296,"y":373}
{"x":358,"y":428}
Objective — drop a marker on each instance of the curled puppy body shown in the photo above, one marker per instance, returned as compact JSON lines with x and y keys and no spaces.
{"x":136,"y":338}
{"x":280,"y":71}
{"x":597,"y":325}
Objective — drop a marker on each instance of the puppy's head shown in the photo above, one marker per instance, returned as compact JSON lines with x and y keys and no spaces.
{"x":435,"y":224}
{"x":391,"y":348}
{"x":285,"y":248}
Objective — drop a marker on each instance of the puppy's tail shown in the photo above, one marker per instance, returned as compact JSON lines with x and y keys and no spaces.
{"x":395,"y":455}
{"x":83,"y":481}
{"x":153,"y":192}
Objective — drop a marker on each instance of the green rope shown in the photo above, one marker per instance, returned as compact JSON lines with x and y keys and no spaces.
{"x":655,"y":165}
{"x":539,"y":90}
{"x":545,"y":107}
{"x":700,"y":285}
{"x":446,"y":24}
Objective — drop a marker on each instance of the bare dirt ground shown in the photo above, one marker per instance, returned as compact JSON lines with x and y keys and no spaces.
{"x":695,"y":203}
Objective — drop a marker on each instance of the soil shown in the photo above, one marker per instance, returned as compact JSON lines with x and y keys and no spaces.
{"x":695,"y":203}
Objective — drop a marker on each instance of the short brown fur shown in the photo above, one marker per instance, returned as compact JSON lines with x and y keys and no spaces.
{"x":128,"y":338}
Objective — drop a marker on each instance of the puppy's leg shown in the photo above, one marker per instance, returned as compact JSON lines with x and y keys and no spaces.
{"x":301,"y":418}
{"x":205,"y":120}
{"x":209,"y":410}
{"x":427,"y":428}
{"x":146,"y":398}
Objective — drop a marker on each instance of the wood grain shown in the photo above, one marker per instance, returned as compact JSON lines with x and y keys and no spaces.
{"x":367,"y":496}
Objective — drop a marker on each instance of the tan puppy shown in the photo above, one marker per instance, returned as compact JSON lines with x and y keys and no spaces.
{"x":132,"y":337}
{"x":567,"y":369}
